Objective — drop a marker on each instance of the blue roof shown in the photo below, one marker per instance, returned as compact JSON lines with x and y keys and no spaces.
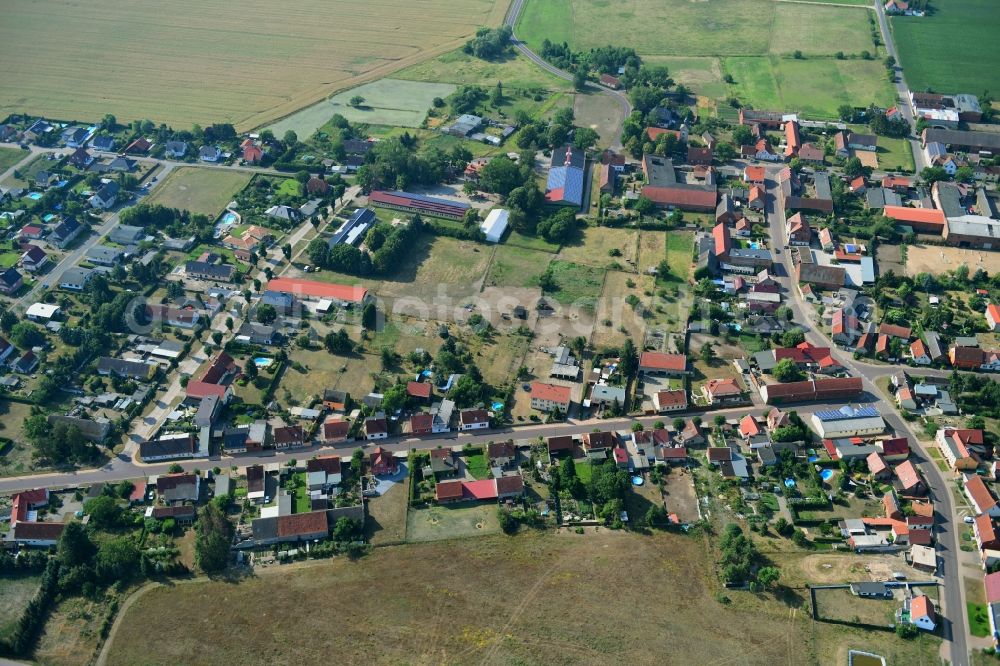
{"x":570,"y":180}
{"x":847,"y":412}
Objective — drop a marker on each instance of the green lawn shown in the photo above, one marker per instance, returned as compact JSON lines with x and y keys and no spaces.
{"x":290,"y":187}
{"x":8,"y":259}
{"x":479,"y":466}
{"x":576,"y":284}
{"x":979,"y":621}
{"x":515,"y":266}
{"x":813,"y":87}
{"x":198,"y":190}
{"x":531,"y":242}
{"x":681,"y":27}
{"x":584,"y":470}
{"x":11,"y":156}
{"x":299,"y":488}
{"x":894,"y":154}
{"x":702,"y":74}
{"x":680,"y":249}
{"x":955,"y":49}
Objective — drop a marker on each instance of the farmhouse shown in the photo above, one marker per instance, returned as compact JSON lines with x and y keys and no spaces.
{"x":418,"y":204}
{"x":665,"y":190}
{"x":548,"y":397}
{"x":962,"y":448}
{"x":659,"y":363}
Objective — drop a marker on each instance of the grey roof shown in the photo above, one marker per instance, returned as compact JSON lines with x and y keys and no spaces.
{"x":659,"y":171}
{"x":209,"y":151}
{"x":124,"y":367}
{"x":979,"y":140}
{"x":176,"y":147}
{"x":933,"y":344}
{"x":950,"y":199}
{"x":125,"y":233}
{"x":221,"y":271}
{"x":103,"y":142}
{"x":76,"y":275}
{"x":751,"y":253}
{"x":278,"y":299}
{"x":974,"y":225}
{"x":207,"y":409}
{"x":104,"y":254}
{"x":172,"y":446}
{"x":984,"y":204}
{"x":94,"y":430}
{"x":66,"y":228}
{"x":821,"y":180}
{"x":121,"y":164}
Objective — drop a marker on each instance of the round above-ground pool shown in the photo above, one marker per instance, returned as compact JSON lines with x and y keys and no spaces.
{"x":263,"y":361}
{"x":790,"y":483}
{"x":637,"y":481}
{"x":826,"y":474}
{"x":497,"y":406}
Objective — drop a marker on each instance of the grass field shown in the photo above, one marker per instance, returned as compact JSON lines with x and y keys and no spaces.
{"x":205,"y":191}
{"x":500,"y":358}
{"x":386,"y":522}
{"x":840,"y":604}
{"x":955,"y":49}
{"x":623,"y":318}
{"x":451,"y":611}
{"x":17,"y":458}
{"x":16,"y":593}
{"x":577,"y":284}
{"x":11,"y":156}
{"x":592,"y":110}
{"x":324,"y":370}
{"x":461,"y":68}
{"x":461,"y":519}
{"x":387,"y":102}
{"x":894,"y":154}
{"x":515,"y":266}
{"x":680,"y":250}
{"x":701,"y":74}
{"x":594,"y":243}
{"x":680,"y":27}
{"x":813,"y":87}
{"x":209,"y":66}
{"x":438,"y":262}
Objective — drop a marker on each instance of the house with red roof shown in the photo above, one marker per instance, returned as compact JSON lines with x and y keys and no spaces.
{"x":252,"y":154}
{"x":910,"y":483}
{"x":858,"y":185}
{"x":723,"y":391}
{"x":749,"y":427}
{"x":421,"y":424}
{"x":335,"y":430}
{"x":670,"y":401}
{"x":895,"y":331}
{"x":473,"y":419}
{"x":381,"y":462}
{"x":895,"y":449}
{"x":196,"y":390}
{"x":919,"y":354}
{"x":922,"y":614}
{"x":548,"y":397}
{"x":963,"y":448}
{"x":754,"y":175}
{"x":799,"y":231}
{"x":965,"y":358}
{"x":921,"y":220}
{"x":980,"y":496}
{"x":985,"y":530}
{"x":877,"y":466}
{"x":420,"y":391}
{"x":659,"y":363}
{"x":993,"y":317}
{"x":890,"y":503}
{"x":312,"y":290}
{"x":376,"y":427}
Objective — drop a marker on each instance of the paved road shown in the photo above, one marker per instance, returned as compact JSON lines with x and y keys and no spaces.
{"x":620,"y":98}
{"x":902,"y":92}
{"x":954,"y":626}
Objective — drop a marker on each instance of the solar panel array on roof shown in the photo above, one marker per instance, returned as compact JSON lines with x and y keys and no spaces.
{"x":847,"y":412}
{"x":565,"y":184}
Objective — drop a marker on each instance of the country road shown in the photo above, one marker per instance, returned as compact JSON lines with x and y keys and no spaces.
{"x":621,"y":99}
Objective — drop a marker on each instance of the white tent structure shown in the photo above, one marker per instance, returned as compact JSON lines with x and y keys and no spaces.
{"x":495,"y":224}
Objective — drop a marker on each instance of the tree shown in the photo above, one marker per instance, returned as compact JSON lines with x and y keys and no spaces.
{"x":786,"y":370}
{"x":768,"y":576}
{"x":585,"y":137}
{"x":580,"y":79}
{"x":104,"y":512}
{"x":217,"y":337}
{"x":678,"y":424}
{"x":250,"y":371}
{"x":629,"y":358}
{"x":266,"y":314}
{"x":782,"y":526}
{"x":907,"y":630}
{"x":26,"y":335}
{"x":793,"y":337}
{"x":742,"y":135}
{"x":501,"y":175}
{"x":356,"y":101}
{"x":229,"y":323}
{"x":707,"y":352}
{"x":74,"y":547}
{"x":175,"y":468}
{"x":853,"y":168}
{"x":644,"y":206}
{"x":369,"y":317}
{"x":338,"y":343}
{"x":290,"y":138}
{"x":964,"y":174}
{"x":117,"y":560}
{"x":213,"y":538}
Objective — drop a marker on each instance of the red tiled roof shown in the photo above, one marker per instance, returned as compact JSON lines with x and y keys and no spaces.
{"x":560,"y":443}
{"x":929,"y":216}
{"x":38,"y":531}
{"x":311,"y":288}
{"x":876,"y":463}
{"x":894,"y":331}
{"x":510,"y":484}
{"x":907,"y":474}
{"x":328,"y":464}
{"x":480,"y":490}
{"x":448,"y":490}
{"x":923,"y":509}
{"x":980,"y":494}
{"x":723,"y":242}
{"x":418,"y":389}
{"x":138,"y":492}
{"x":994,"y":311}
{"x":992,"y":582}
{"x":654,"y":132}
{"x":336,"y":428}
{"x":421,"y":422}
{"x":671,"y":398}
{"x":620,"y":455}
{"x":471,"y":416}
{"x":661,"y":361}
{"x":895,"y":446}
{"x":723,"y":387}
{"x":749,"y":426}
{"x":693,"y":197}
{"x":719,"y":453}
{"x":551,"y":392}
{"x":299,"y":524}
{"x":754,"y":174}
{"x":918,"y":349}
{"x":202,"y":389}
{"x":922,"y":606}
{"x":288,"y":434}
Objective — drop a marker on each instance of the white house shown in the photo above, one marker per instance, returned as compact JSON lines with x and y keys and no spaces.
{"x":993,"y":317}
{"x":848,"y":422}
{"x":42,"y":311}
{"x":922,"y":613}
{"x":209,"y":154}
{"x":495,"y":224}
{"x":473,"y":419}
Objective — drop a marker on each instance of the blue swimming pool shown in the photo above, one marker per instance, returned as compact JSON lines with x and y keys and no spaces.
{"x":48,"y":217}
{"x":790,"y":483}
{"x":35,"y":196}
{"x":229,"y":218}
{"x":263,"y":362}
{"x":637,"y":481}
{"x":497,"y":406}
{"x":826,"y":474}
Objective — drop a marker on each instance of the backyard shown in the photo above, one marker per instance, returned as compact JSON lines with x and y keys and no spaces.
{"x":461,"y":519}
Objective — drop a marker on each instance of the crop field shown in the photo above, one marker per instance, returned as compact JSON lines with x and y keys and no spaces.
{"x":205,"y":191}
{"x":452,"y":612}
{"x":681,"y":27}
{"x":955,"y":49}
{"x":516,"y":267}
{"x":813,"y":87}
{"x":387,"y":102}
{"x":458,"y":67}
{"x":207,"y":65}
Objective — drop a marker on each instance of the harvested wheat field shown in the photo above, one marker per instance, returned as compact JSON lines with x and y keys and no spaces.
{"x":537,"y":598}
{"x":205,"y":61}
